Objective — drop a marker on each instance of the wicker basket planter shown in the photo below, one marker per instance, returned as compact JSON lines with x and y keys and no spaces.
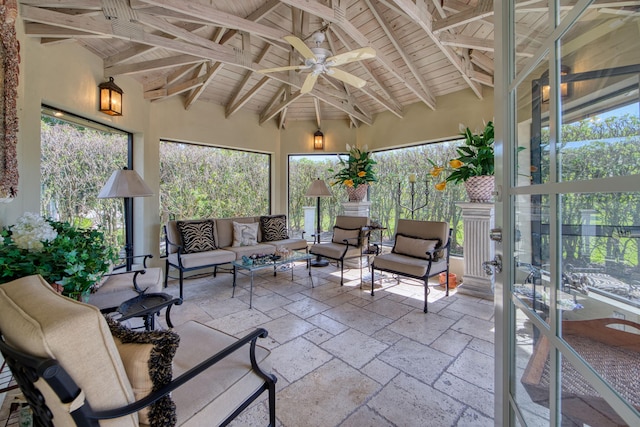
{"x":357,"y":194}
{"x":480,"y":188}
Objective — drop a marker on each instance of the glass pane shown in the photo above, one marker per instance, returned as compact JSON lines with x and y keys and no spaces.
{"x":600,"y":65}
{"x":531,"y":392}
{"x":77,"y":159}
{"x":531,"y":258}
{"x":531,"y":28}
{"x":581,"y":404}
{"x":601,"y":277}
{"x":532,"y":148}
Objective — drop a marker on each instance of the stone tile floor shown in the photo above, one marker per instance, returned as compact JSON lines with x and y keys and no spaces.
{"x":345,"y":358}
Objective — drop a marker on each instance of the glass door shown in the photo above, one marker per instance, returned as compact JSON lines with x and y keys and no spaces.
{"x":570,"y":293}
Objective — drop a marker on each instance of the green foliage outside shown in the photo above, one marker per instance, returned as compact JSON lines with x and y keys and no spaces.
{"x":593,"y":149}
{"x":199,"y":181}
{"x":76,"y":162}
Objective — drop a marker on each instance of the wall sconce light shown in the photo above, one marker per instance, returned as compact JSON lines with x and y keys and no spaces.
{"x":110,"y":98}
{"x":565,"y":88}
{"x":318,"y":140}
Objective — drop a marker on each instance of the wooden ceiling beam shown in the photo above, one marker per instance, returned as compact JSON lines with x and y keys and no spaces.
{"x":335,"y":15}
{"x":481,"y":60}
{"x":316,"y":106}
{"x":419,"y":13}
{"x":275,"y":109}
{"x":481,"y":10}
{"x":165,"y":26}
{"x":247,"y":97}
{"x":393,"y":38}
{"x":50,"y":31}
{"x":218,"y":17}
{"x":467,"y":42}
{"x":152,"y":65}
{"x":210,"y":73}
{"x":70,"y":4}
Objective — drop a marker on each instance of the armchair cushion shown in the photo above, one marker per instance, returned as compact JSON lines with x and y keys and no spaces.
{"x":274,"y":227}
{"x":245,"y":234}
{"x":415,"y":246}
{"x":197,"y":236}
{"x":147,"y":359}
{"x":340,"y":234}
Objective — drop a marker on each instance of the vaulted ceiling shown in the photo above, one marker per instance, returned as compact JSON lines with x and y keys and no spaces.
{"x":210,"y":51}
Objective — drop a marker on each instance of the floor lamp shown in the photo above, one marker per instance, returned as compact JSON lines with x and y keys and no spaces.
{"x":318,"y":188}
{"x":125,"y":183}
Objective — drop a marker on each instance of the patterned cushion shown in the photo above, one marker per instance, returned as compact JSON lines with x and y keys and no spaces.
{"x":147,"y":359}
{"x":197,"y":236}
{"x":350,"y":234}
{"x":274,"y":227}
{"x":245,"y":234}
{"x":415,"y":246}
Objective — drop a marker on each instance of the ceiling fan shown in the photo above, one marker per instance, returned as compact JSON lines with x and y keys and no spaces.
{"x":322,"y":61}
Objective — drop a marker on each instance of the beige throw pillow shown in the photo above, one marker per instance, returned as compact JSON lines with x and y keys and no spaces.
{"x":245,"y":234}
{"x":350,"y":234}
{"x":414,"y":246}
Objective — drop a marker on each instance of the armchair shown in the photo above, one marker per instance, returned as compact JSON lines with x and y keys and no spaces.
{"x":41,"y":333}
{"x":420,"y":251}
{"x":350,"y":238}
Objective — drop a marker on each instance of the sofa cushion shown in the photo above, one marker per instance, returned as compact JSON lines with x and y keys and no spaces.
{"x":147,"y":357}
{"x":260,"y":248}
{"x":224,"y":229}
{"x":197,"y":236}
{"x":208,"y":399}
{"x":203,"y":259}
{"x":274,"y":227}
{"x":245,"y":234}
{"x":341,"y":234}
{"x":291,"y":244}
{"x":414,"y":246}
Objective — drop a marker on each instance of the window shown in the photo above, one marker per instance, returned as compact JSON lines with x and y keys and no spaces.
{"x":198,"y":181}
{"x":390,"y":197}
{"x":77,"y":158}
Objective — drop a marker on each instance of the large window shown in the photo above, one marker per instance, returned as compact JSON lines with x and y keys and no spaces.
{"x":391,"y":196}
{"x":198,"y":181}
{"x":78,"y":157}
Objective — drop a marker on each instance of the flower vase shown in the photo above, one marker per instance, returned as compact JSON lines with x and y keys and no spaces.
{"x":480,"y":188}
{"x":357,"y":194}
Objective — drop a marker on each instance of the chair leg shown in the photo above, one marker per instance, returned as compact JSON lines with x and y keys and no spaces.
{"x":181,"y":280}
{"x":373,"y":277}
{"x":272,"y":404}
{"x":447,"y":293}
{"x":341,"y":272}
{"x":166,"y":273}
{"x":426,"y":294}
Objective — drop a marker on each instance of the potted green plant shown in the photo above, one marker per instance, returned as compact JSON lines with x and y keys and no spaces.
{"x":474,"y":165}
{"x":72,"y":257}
{"x":356,"y":173}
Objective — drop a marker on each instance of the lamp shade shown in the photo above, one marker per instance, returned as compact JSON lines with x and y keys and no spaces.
{"x":125,"y":183}
{"x":318,"y":188}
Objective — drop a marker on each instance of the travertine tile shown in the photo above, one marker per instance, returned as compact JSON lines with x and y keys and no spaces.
{"x":324,"y":397}
{"x":306,"y":307}
{"x":417,"y":360}
{"x":421,"y":327}
{"x":407,"y":402}
{"x":451,"y":342}
{"x":297,"y":358}
{"x":365,"y":417}
{"x":354,"y":347}
{"x":474,"y":367}
{"x":477,"y":398}
{"x":286,"y":328}
{"x":483,"y":329}
{"x":358,"y":318}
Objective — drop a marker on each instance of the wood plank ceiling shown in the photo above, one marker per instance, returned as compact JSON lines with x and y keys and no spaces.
{"x":209,"y":51}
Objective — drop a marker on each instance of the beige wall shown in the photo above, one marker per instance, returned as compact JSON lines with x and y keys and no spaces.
{"x":66,"y":76}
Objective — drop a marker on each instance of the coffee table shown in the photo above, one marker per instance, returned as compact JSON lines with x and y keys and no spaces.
{"x":250,"y":269}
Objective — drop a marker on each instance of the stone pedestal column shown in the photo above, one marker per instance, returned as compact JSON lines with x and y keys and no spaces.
{"x":356,"y":208}
{"x":478,"y":219}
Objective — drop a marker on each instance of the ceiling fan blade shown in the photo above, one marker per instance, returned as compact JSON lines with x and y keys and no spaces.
{"x":287,"y":68}
{"x":347,"y":77}
{"x":354,"y":55}
{"x":301,"y":47}
{"x":309,"y":82}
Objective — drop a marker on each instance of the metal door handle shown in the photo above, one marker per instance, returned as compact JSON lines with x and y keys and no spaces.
{"x":490,"y":266}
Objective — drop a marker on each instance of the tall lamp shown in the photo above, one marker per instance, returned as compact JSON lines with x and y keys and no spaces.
{"x":126,"y":183}
{"x":318,"y":188}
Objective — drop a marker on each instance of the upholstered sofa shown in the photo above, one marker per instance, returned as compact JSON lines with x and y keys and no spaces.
{"x":208,"y":243}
